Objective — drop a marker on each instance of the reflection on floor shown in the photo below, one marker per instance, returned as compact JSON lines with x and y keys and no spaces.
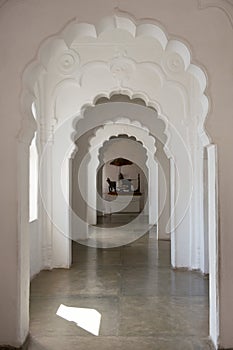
{"x":143,"y":303}
{"x":117,"y":230}
{"x":118,"y":219}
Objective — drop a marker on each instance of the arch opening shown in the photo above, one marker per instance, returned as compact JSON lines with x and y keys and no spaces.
{"x":161,"y":83}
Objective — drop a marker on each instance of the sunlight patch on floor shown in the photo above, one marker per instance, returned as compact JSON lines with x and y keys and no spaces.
{"x":87,"y":319}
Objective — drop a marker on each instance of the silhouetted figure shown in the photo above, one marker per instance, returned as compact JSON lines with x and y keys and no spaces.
{"x":111,"y":185}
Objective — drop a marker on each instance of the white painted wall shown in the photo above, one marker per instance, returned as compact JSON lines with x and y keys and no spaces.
{"x":35,"y":249}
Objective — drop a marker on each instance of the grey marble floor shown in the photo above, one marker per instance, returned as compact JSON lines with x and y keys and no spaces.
{"x":144,"y":303}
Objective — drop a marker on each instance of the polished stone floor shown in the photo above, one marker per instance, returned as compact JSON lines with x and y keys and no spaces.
{"x":144,"y":303}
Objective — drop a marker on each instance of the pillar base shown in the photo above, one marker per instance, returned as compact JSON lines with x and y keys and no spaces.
{"x":22,"y":347}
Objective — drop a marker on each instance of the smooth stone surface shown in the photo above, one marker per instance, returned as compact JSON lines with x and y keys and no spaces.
{"x":161,"y":315}
{"x":120,"y":343}
{"x":44,"y":320}
{"x":162,"y":282}
{"x":143,"y":302}
{"x":99,"y":282}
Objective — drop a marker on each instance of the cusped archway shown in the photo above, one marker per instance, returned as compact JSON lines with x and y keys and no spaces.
{"x":123,"y":125}
{"x":85,"y":62}
{"x":76,"y":68}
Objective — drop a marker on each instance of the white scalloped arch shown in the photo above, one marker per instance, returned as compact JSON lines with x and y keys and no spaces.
{"x":78,"y":69}
{"x":130,"y":128}
{"x":175,"y":57}
{"x":140,"y":132}
{"x":117,"y":56}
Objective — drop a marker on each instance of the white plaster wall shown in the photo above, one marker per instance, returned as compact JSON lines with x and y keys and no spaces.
{"x":207,"y":27}
{"x":35,"y":249}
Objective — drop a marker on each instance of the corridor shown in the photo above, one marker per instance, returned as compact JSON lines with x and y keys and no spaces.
{"x":143,"y":303}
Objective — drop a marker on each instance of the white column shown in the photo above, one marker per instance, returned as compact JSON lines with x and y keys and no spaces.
{"x":60,"y":177}
{"x":92,"y":188}
{"x":164,"y":195}
{"x":197,"y":209}
{"x":213,"y":246}
{"x":204,"y":244}
{"x":181,"y":227}
{"x":153,"y":190}
{"x":78,"y":188}
{"x":54,"y":191}
{"x":172,"y":212}
{"x":205,"y":261}
{"x":78,"y":225}
{"x":23,"y":244}
{"x":45,"y":195}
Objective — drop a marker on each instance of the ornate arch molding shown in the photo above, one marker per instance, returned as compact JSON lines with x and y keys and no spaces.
{"x":103,"y":148}
{"x":133,"y":129}
{"x":115,"y":128}
{"x":132,"y":96}
{"x":122,"y":121}
{"x":135,"y":132}
{"x":62,"y":58}
{"x":161,"y":74}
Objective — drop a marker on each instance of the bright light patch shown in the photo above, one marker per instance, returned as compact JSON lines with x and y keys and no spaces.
{"x":88,"y":319}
